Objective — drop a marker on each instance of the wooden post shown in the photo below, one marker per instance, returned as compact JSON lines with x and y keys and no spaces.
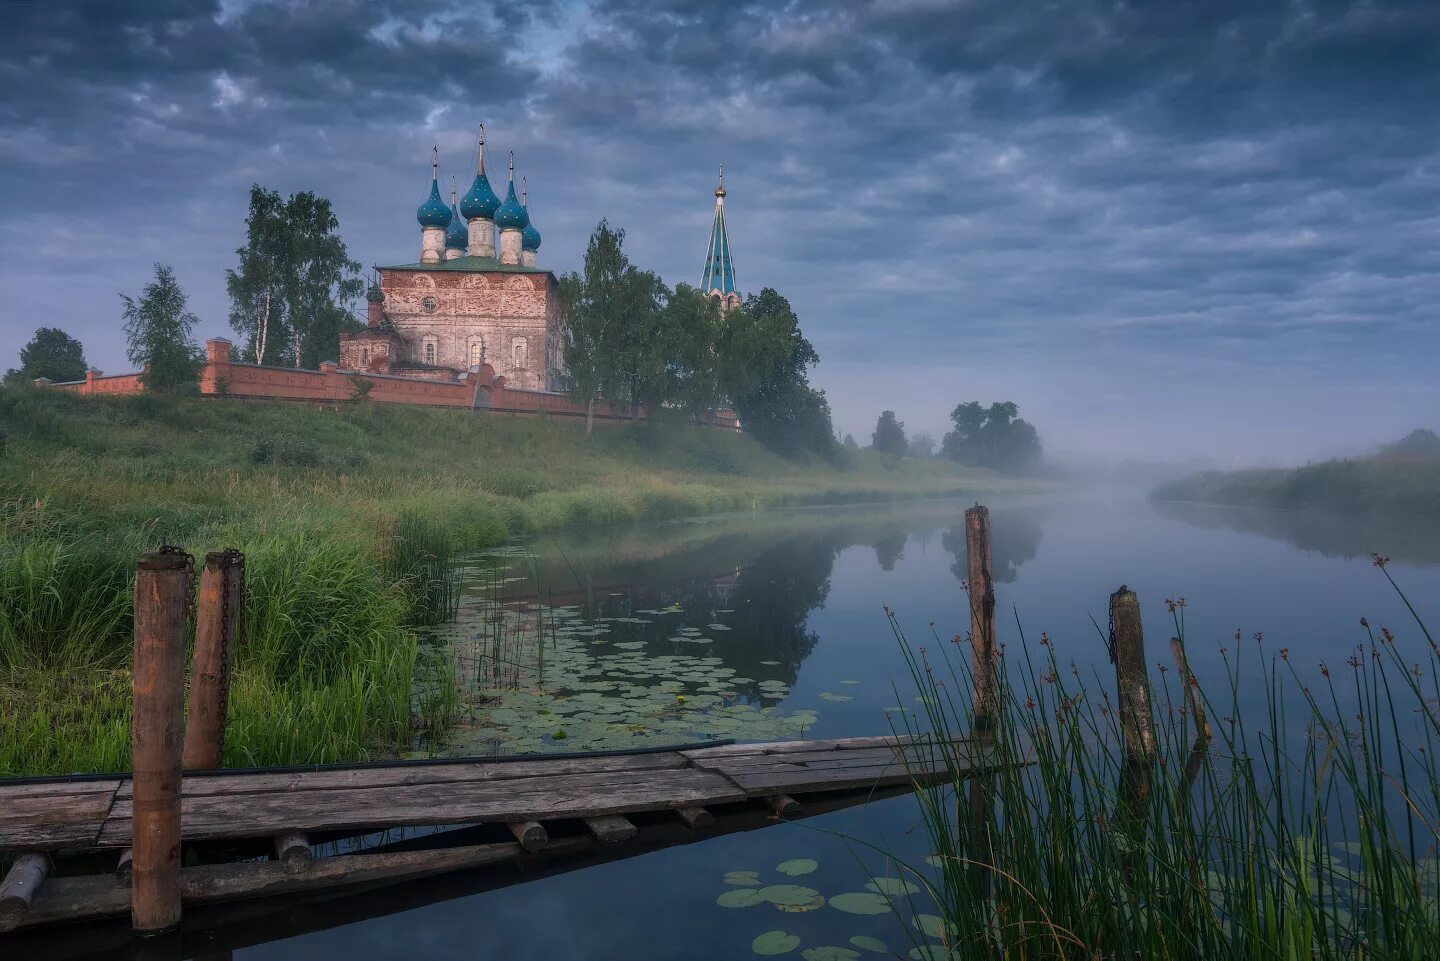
{"x":162,"y":592}
{"x":292,"y":849}
{"x":981,"y":584}
{"x":1132,"y":681}
{"x":17,"y":892}
{"x":222,"y":595}
{"x":1196,"y":705}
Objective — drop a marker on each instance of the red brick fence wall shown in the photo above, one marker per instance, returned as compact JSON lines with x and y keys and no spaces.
{"x":330,"y":384}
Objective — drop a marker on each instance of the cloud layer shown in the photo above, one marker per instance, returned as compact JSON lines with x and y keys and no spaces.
{"x":1157,"y":227}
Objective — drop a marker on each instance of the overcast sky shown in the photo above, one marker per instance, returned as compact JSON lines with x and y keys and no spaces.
{"x":1162,"y":228}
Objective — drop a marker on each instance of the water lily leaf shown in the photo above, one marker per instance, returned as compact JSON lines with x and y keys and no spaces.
{"x":787,"y":896}
{"x":867,"y":943}
{"x":935,"y":861}
{"x":931,"y":924}
{"x":742,"y":877}
{"x":847,"y":681}
{"x":829,"y":953}
{"x":740,"y":898}
{"x":831,"y":696}
{"x":892,"y":886}
{"x":797,"y":866}
{"x":775,"y":942}
{"x":860,"y":902}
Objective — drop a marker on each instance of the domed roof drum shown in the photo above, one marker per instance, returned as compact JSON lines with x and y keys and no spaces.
{"x":456,"y":235}
{"x":480,"y":200}
{"x":511,"y":216}
{"x":433,"y":212}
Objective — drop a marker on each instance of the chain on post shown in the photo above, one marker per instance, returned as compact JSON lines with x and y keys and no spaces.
{"x":189,"y":577}
{"x":1110,"y":640}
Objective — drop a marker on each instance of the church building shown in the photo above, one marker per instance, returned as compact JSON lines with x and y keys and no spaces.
{"x":475,"y":297}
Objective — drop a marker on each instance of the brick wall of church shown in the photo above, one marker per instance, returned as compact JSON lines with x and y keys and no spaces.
{"x":458,"y":319}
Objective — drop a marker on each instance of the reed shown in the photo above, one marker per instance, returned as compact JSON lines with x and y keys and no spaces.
{"x":1309,"y":831}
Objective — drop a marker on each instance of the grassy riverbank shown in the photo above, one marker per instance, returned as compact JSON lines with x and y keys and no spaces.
{"x":332,"y":508}
{"x":1402,"y":480}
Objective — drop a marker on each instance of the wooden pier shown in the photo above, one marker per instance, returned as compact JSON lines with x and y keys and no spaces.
{"x":526,"y":799}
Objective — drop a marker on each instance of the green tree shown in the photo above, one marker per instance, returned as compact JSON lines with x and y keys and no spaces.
{"x":889,"y":435}
{"x":597,"y":304}
{"x":993,"y":437}
{"x":764,"y":362}
{"x":692,"y":327}
{"x":922,"y":444}
{"x":50,"y":353}
{"x":158,"y":330}
{"x":290,"y":296}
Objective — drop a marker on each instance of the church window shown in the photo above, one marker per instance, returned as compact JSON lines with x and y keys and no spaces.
{"x":477,"y":353}
{"x":429,"y":349}
{"x":429,"y":353}
{"x":364,"y":356}
{"x":518,"y":352}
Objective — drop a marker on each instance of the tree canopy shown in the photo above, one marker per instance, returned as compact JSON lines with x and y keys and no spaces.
{"x":632,"y":341}
{"x":993,"y":437}
{"x":291,"y":293}
{"x":889,"y":435}
{"x":158,"y":331}
{"x":51,"y":353}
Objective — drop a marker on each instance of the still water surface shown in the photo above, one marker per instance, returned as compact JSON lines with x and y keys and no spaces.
{"x":773,"y":624}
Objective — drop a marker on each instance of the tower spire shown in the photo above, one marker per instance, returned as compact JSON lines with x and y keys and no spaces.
{"x":718,"y":277}
{"x":512,"y":166}
{"x":434,"y":164}
{"x":525,"y":192}
{"x":480,"y":154}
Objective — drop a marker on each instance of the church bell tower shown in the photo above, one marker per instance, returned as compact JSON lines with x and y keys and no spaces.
{"x":718,"y":279}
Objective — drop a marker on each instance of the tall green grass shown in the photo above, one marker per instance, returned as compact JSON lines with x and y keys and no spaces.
{"x":1310,"y":830}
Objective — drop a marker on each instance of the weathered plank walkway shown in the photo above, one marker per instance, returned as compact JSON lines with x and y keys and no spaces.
{"x":523,"y":794}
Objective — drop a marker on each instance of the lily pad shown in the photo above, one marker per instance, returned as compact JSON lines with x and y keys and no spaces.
{"x":742,"y":877}
{"x":831,"y":696}
{"x":740,"y":898}
{"x":848,"y":681}
{"x":792,"y":897}
{"x":860,"y":902}
{"x":796,"y":867}
{"x":867,"y":943}
{"x":829,"y":952}
{"x":935,"y":861}
{"x":932,"y":925}
{"x":892,"y":886}
{"x":775,"y":942}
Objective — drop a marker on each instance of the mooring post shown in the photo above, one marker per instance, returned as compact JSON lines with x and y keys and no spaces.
{"x":980,"y":582}
{"x":17,"y":891}
{"x":1132,"y":682}
{"x":162,"y":594}
{"x":222,"y":596}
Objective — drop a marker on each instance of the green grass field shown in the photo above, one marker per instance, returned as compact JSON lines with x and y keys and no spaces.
{"x":331,"y":506}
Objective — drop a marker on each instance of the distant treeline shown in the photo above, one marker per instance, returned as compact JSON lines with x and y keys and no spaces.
{"x":1401,"y":478}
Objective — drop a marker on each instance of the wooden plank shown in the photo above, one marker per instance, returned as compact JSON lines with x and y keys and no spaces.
{"x":562,"y":796}
{"x":62,"y":809}
{"x":611,"y":828}
{"x":95,"y":896}
{"x":785,"y":747}
{"x":404,"y":776}
{"x":841,"y":779}
{"x":13,"y":792}
{"x":821,"y":760}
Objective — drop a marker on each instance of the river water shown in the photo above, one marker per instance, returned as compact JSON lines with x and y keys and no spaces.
{"x":773,"y":624}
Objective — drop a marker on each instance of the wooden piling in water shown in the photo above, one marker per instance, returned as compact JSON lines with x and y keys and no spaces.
{"x":980,"y":582}
{"x":1132,"y":681}
{"x":222,"y":596}
{"x":162,"y":593}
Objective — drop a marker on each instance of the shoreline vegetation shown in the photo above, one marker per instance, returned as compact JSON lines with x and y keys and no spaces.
{"x":1308,"y":828}
{"x":348,"y":518}
{"x":1402,"y":479}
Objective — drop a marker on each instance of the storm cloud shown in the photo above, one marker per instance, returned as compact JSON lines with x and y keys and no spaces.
{"x":1161,"y":228}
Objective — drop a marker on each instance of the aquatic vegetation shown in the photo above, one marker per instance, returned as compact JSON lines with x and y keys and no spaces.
{"x":1307,"y":830}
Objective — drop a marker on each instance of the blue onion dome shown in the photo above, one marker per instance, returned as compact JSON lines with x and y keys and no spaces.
{"x":511,"y":215}
{"x":433,"y":212}
{"x":456,"y":235}
{"x":480,"y":200}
